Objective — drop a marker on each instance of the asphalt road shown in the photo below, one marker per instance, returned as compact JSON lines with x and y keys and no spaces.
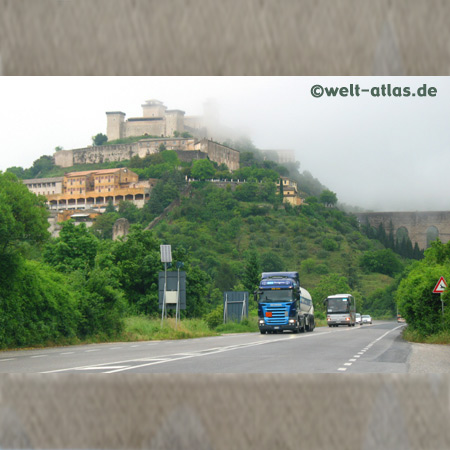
{"x":375,"y":348}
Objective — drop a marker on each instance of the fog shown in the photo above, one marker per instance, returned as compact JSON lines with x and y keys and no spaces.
{"x":377,"y":153}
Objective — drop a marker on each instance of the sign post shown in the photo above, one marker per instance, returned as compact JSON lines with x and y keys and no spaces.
{"x":166,"y":257}
{"x":440,"y":287}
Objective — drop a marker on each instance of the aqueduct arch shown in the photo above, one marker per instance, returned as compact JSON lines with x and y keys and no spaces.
{"x":421,"y":226}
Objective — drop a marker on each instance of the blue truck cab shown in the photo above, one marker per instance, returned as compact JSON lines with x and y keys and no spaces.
{"x":283,"y":304}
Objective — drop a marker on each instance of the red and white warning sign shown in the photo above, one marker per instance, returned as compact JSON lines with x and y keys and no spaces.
{"x":440,"y":287}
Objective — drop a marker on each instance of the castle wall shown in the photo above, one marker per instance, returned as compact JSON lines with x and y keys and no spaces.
{"x":220,"y":153}
{"x":101,"y":154}
{"x":141,"y":127}
{"x":174,"y":122}
{"x":64,"y":158}
{"x":187,"y":150}
{"x":188,"y":156}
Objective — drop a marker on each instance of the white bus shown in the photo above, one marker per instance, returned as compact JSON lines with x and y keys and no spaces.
{"x":341,"y":310}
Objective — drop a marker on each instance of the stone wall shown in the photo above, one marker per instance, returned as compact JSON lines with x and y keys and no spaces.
{"x":220,"y":153}
{"x":120,"y":228}
{"x":141,"y":127}
{"x":416,"y":223}
{"x":186,"y":149}
{"x":64,"y":158}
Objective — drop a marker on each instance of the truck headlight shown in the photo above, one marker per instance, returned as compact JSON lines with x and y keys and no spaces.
{"x":261,"y":322}
{"x":291,"y":321}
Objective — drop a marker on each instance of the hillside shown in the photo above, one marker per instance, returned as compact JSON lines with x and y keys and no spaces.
{"x":224,"y":235}
{"x":226,"y":231}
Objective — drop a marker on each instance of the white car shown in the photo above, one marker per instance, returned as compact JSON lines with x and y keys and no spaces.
{"x":366,"y":319}
{"x":358,"y":318}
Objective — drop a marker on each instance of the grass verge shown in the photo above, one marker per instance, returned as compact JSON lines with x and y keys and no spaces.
{"x":141,"y":328}
{"x":442,"y":338}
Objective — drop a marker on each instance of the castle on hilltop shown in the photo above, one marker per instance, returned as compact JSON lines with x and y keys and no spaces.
{"x":164,"y":129}
{"x":156,"y":120}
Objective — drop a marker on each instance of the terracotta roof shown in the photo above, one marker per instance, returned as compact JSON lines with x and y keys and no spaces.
{"x":88,"y":172}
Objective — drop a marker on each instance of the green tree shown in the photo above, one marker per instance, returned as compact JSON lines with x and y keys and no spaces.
{"x":129,"y":211}
{"x":202,"y":169}
{"x":36,"y":306}
{"x":247,"y":192}
{"x":23,"y":216}
{"x":328,"y":198}
{"x":139,"y":262}
{"x":103,"y":225}
{"x":272,"y":262}
{"x":226,"y":277}
{"x":99,"y":139}
{"x":110,"y":208}
{"x":163,"y":194}
{"x":197,"y":287}
{"x":416,"y":302}
{"x":382,"y":261}
{"x":19,"y":172}
{"x":74,"y":249}
{"x":252,"y":271}
{"x":40,"y":167}
{"x":308,"y":265}
{"x":102,"y":304}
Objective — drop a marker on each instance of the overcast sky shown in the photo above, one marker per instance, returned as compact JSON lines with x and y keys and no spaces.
{"x":380,"y":153}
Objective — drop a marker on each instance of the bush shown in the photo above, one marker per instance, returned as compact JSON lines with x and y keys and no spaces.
{"x":215,"y":317}
{"x":421,"y":308}
{"x":36,"y":307}
{"x":330,"y":245}
{"x":382,"y":261}
{"x":321,"y":269}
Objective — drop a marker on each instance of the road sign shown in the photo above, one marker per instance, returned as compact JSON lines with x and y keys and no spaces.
{"x":166,"y":253}
{"x":440,"y":287}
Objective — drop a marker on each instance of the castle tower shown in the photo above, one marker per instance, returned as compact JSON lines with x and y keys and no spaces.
{"x":115,"y":125}
{"x":174,"y":121}
{"x":153,"y":108}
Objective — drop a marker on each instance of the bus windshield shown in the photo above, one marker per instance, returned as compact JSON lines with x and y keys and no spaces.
{"x":338,"y":305}
{"x":276,"y":295}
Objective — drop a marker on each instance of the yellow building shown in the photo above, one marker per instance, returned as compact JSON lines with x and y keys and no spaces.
{"x":94,"y":189}
{"x":290,"y":191}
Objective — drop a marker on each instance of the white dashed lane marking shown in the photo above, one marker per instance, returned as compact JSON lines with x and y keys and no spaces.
{"x":364,"y":350}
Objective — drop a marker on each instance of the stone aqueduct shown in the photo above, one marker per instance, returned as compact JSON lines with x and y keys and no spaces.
{"x":422,"y":226}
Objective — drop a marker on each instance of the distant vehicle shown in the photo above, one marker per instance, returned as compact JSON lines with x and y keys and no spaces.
{"x":366,"y":319}
{"x":400,"y":319}
{"x":358,"y":318}
{"x":341,"y":310}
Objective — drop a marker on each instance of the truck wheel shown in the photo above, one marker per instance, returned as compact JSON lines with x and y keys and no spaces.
{"x":312,"y":325}
{"x":262,"y":332}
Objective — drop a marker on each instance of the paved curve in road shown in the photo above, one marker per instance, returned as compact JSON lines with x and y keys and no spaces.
{"x":376,"y":348}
